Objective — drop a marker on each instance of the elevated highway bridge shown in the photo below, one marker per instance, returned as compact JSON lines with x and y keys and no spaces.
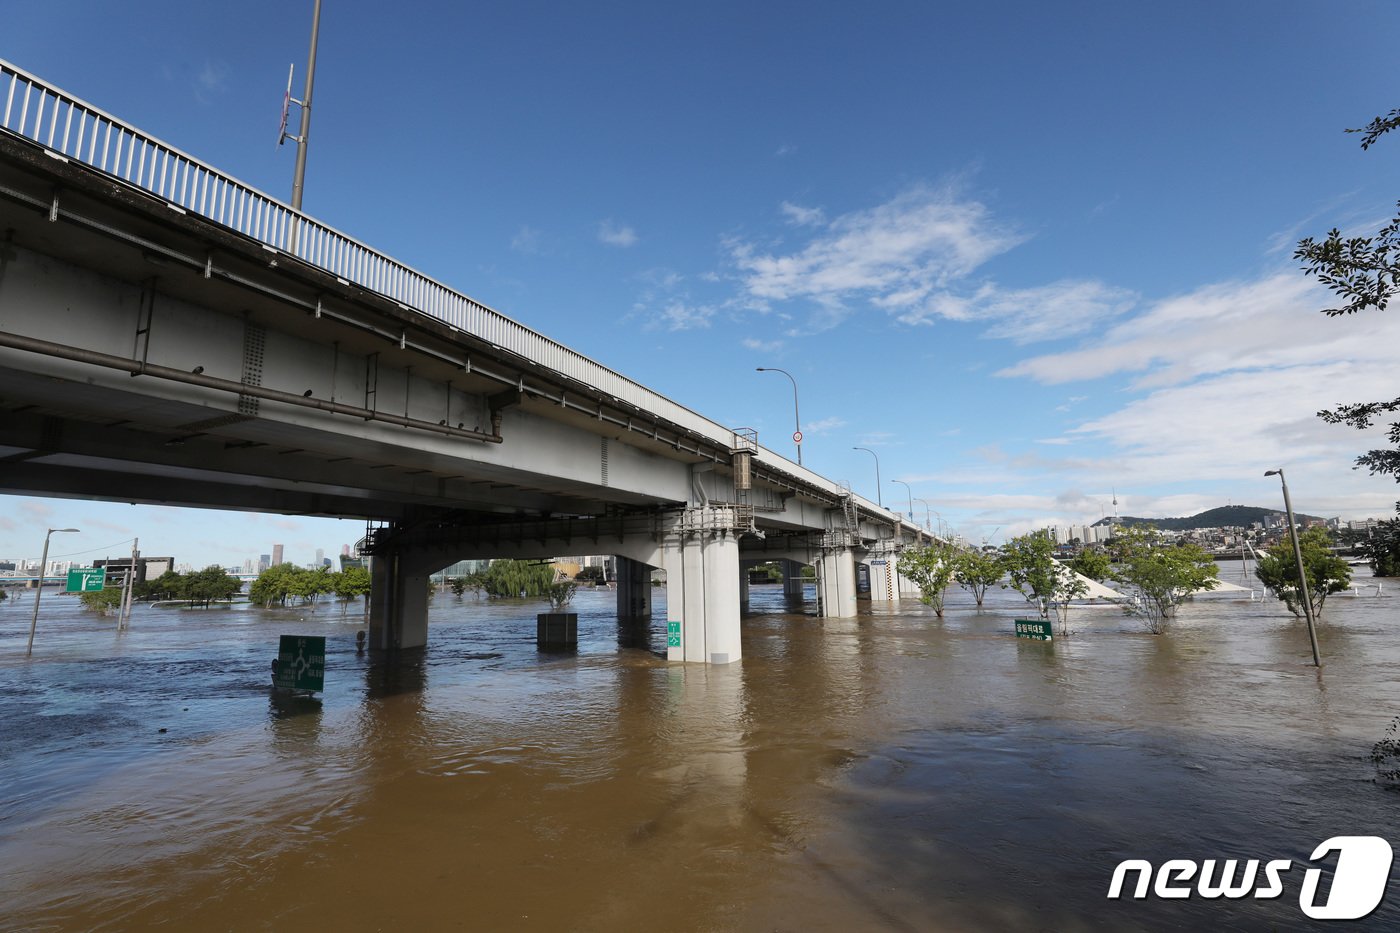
{"x":170,"y":335}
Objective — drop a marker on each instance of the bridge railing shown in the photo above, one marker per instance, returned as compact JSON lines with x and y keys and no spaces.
{"x":76,"y":130}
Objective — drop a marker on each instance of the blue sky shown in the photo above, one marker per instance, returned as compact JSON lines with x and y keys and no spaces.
{"x":1032,"y":254}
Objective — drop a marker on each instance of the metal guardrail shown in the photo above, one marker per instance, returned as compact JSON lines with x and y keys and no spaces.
{"x":76,"y":130}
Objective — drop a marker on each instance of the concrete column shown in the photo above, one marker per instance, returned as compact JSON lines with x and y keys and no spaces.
{"x":743,"y":588}
{"x":884,"y":579}
{"x":838,"y":583}
{"x":398,"y":604}
{"x":633,"y":589}
{"x":792,"y":579}
{"x":702,"y":597}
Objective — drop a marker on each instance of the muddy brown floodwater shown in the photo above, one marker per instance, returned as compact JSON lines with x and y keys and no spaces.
{"x":894,"y":771}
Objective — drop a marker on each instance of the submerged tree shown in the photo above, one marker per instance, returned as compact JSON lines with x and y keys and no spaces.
{"x":1159,"y":575}
{"x":1327,"y":573}
{"x":1035,"y":574}
{"x":930,"y":569}
{"x":978,"y":571}
{"x":102,"y":601}
{"x":517,"y":578}
{"x":1382,"y":548}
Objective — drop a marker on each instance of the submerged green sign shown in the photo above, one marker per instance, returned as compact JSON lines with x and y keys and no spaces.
{"x":1034,"y":628}
{"x":301,"y":663}
{"x":86,"y":579}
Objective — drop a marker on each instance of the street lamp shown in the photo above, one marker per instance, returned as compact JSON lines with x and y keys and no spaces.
{"x":911,"y":496}
{"x":1298,"y":554}
{"x":928,"y":521}
{"x":796,"y":418}
{"x":879,"y":497}
{"x":43,"y":565}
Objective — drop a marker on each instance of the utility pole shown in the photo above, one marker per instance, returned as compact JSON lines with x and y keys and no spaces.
{"x":305,"y":104}
{"x":124,"y":612}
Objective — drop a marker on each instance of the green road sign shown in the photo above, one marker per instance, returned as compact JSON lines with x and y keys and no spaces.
{"x":86,"y":579}
{"x":673,"y":634}
{"x":1034,"y":628}
{"x":301,"y":663}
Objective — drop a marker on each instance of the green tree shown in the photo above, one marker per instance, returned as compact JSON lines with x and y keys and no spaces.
{"x":1030,"y":563}
{"x":517,"y":578}
{"x":169,"y":585}
{"x":1327,"y":573}
{"x":349,"y":584}
{"x":561,"y":594}
{"x":273,"y":585}
{"x":593,"y":575}
{"x":930,"y":569}
{"x":1158,"y":574}
{"x":1382,"y":548}
{"x":1092,"y":563}
{"x":212,"y":584}
{"x":977,"y":571}
{"x":102,"y":601}
{"x":1364,"y":272}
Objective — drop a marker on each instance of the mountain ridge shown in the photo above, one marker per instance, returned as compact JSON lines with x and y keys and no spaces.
{"x":1225,"y":516}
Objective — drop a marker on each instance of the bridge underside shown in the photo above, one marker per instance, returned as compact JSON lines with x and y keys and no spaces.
{"x":151,"y":356}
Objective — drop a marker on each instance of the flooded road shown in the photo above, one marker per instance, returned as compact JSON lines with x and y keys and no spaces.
{"x":889,"y":772}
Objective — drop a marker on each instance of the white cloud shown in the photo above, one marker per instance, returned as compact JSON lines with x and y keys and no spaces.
{"x":678,"y":315}
{"x":1047,"y":312}
{"x":893,"y":255}
{"x":1269,"y":323}
{"x":526,"y":240}
{"x":803,"y":216}
{"x":765,"y":346}
{"x":615,"y":234}
{"x":823,"y":425}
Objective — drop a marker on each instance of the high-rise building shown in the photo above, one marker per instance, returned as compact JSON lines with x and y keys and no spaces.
{"x":264,"y":562}
{"x":276,"y":555}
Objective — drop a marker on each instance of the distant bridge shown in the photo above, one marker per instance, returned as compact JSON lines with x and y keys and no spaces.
{"x":170,"y":335}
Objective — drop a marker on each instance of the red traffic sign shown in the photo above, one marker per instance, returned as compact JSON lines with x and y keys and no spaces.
{"x":797,"y":437}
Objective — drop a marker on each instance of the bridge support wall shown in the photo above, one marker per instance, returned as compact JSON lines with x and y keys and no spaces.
{"x":702,"y":593}
{"x":837,"y":583}
{"x":792,"y":579}
{"x":398,"y":603}
{"x":633,"y":589}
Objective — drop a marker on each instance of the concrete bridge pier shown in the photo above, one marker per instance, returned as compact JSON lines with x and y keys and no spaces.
{"x":792,"y":579}
{"x":701,"y":555}
{"x":633,"y":589}
{"x":885,"y":581}
{"x":398,"y":602}
{"x":836,"y":583}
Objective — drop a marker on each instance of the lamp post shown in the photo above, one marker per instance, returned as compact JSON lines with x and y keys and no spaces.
{"x":1302,"y":575}
{"x":911,"y":496}
{"x":943,"y":527}
{"x":879,"y":496}
{"x":796,"y":417}
{"x":299,"y":174}
{"x":43,"y":565}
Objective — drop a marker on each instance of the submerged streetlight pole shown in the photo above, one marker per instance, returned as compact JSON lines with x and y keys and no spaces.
{"x":43,"y":565}
{"x":1302,"y":574}
{"x":796,"y":417}
{"x":879,"y":495}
